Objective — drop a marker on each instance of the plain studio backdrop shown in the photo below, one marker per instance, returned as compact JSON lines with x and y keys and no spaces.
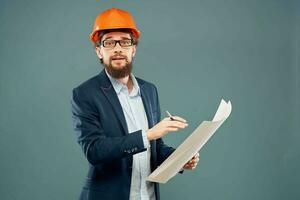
{"x":196,"y":52}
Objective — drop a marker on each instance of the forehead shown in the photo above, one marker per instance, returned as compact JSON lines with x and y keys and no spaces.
{"x":116,"y":35}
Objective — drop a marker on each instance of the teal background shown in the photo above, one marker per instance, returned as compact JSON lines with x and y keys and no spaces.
{"x":196,"y":52}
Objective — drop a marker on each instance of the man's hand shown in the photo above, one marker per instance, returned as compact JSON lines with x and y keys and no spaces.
{"x":165,"y":126}
{"x":192,"y":163}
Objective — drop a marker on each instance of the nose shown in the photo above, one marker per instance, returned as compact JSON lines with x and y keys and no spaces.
{"x":118,"y":48}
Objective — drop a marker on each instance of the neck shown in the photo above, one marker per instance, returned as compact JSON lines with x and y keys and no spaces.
{"x":126,"y":81}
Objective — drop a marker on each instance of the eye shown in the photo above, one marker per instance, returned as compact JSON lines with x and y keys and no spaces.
{"x":108,"y":43}
{"x":126,"y":42}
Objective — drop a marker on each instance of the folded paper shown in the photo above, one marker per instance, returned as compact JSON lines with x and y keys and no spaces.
{"x":174,"y":163}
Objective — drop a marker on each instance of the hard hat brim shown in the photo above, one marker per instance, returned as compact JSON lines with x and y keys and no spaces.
{"x":94,"y":34}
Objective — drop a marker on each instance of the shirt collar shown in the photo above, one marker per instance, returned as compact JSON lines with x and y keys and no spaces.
{"x":118,"y":86}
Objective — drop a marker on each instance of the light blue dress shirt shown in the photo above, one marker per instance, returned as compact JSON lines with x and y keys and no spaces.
{"x":136,"y":119}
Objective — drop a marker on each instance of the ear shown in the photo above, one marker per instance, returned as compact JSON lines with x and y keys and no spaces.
{"x":134,"y":51}
{"x":98,"y":52}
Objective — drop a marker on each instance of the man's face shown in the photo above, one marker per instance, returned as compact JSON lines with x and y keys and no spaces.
{"x":117,"y":60}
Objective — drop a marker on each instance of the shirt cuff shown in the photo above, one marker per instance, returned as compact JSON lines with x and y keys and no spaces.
{"x":145,"y":139}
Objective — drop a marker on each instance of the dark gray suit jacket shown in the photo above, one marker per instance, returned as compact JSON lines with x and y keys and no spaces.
{"x":102,"y":133}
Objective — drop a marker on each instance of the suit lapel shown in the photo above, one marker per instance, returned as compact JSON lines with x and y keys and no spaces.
{"x":112,"y":97}
{"x":147,"y":106}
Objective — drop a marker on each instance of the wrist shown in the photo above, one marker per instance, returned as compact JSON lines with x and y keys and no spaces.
{"x":149,"y":135}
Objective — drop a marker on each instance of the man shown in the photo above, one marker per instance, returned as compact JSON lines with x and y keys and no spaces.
{"x":117,"y":118}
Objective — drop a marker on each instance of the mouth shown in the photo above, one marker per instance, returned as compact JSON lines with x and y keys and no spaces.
{"x":118,"y":58}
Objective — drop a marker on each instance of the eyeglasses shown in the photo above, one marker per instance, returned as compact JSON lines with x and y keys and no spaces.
{"x":112,"y":43}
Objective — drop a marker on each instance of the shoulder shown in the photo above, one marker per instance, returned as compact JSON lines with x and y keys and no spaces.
{"x":146,"y":84}
{"x":148,"y":88}
{"x":87,"y":87}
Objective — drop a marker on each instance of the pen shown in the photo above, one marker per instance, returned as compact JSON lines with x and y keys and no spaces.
{"x":170,"y":115}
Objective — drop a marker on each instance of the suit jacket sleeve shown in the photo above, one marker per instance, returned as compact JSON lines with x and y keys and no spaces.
{"x":96,"y":145}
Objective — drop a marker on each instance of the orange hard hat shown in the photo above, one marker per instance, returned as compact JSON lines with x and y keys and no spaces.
{"x":113,"y":18}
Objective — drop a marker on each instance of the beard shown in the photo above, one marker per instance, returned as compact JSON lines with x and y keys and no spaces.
{"x":118,"y":72}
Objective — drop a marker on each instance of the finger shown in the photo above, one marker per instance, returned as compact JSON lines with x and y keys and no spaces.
{"x":169,"y":119}
{"x":166,"y":119}
{"x":177,"y":118}
{"x":196,"y":155}
{"x":187,"y":167}
{"x":192,"y":161}
{"x":189,"y":164}
{"x":190,"y":167}
{"x":195,"y":162}
{"x":177,"y":124}
{"x":195,"y":159}
{"x":172,"y":129}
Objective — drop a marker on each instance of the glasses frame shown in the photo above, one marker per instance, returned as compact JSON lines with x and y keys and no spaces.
{"x":117,"y":41}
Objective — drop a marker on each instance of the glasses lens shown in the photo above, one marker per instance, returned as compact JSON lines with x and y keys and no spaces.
{"x":109,"y":43}
{"x":126,"y":43}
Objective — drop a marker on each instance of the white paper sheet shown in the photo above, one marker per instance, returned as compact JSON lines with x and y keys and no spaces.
{"x":172,"y":165}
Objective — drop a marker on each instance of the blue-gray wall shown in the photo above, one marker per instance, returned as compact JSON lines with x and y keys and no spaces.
{"x":196,"y":52}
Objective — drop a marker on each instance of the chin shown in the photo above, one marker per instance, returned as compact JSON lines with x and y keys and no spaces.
{"x":118,"y":66}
